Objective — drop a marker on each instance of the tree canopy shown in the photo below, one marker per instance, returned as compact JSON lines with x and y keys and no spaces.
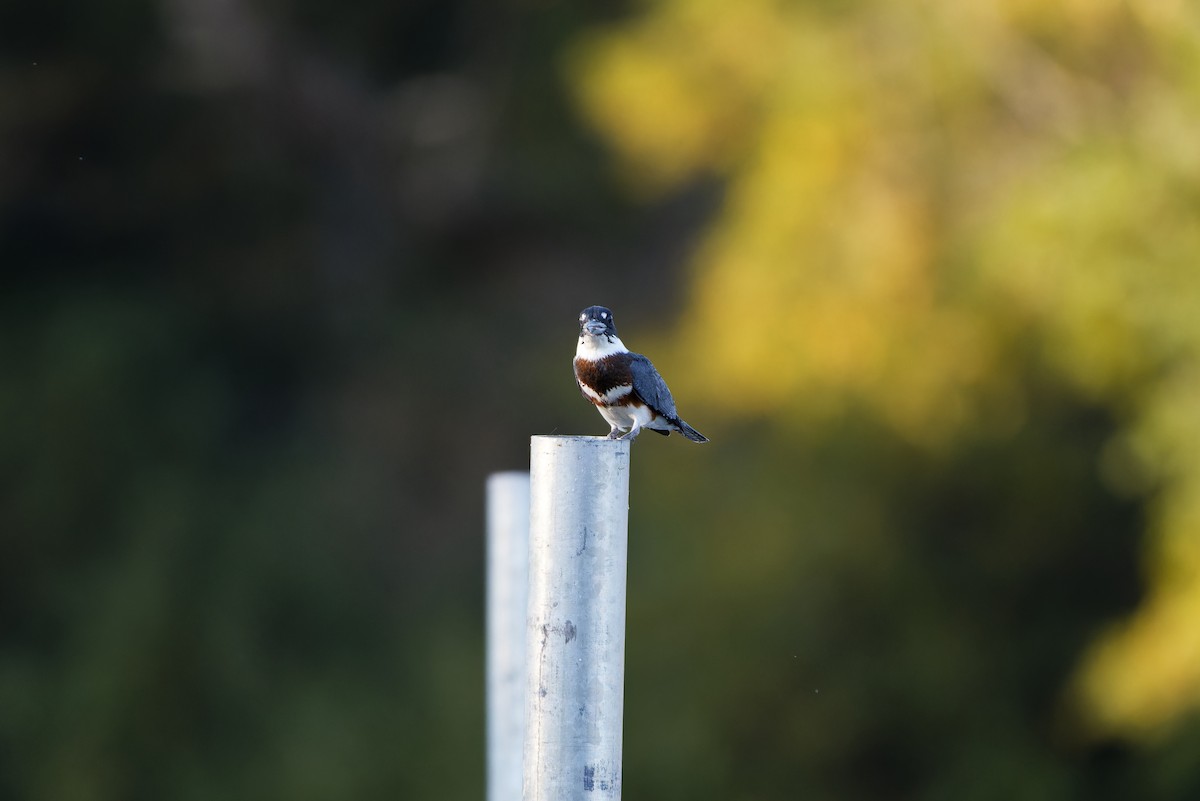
{"x":921,"y":200}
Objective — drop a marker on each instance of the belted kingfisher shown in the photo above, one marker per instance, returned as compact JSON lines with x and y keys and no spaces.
{"x":624,"y":386}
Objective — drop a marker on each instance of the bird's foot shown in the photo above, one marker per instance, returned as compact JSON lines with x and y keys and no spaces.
{"x":615,"y":433}
{"x":633,"y":432}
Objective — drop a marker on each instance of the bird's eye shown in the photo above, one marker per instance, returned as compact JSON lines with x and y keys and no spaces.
{"x":603,"y":315}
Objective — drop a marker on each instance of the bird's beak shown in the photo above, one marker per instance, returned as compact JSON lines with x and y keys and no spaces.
{"x":594,"y":327}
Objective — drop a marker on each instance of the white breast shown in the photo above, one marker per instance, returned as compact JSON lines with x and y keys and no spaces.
{"x":625,"y":416}
{"x":607,"y":398}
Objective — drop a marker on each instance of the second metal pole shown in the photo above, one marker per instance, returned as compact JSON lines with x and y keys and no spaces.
{"x":507,"y":598}
{"x":575,"y":641}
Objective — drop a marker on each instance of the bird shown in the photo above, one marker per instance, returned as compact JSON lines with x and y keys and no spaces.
{"x":626,"y":389}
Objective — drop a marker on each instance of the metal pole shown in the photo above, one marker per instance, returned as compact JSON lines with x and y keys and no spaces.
{"x":507,"y":591}
{"x":575,"y":644}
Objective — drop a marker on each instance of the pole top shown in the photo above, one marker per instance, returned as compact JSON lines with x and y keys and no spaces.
{"x":508,"y":475}
{"x":602,"y":447}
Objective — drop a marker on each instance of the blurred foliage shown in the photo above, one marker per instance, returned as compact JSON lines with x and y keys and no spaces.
{"x":259,"y":272}
{"x":921,"y":201}
{"x":282,"y":282}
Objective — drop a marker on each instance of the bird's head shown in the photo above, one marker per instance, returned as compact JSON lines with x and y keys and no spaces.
{"x":597,"y":321}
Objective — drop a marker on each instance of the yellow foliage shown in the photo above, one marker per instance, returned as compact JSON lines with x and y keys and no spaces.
{"x":912,"y":192}
{"x":679,"y":91}
{"x":1144,"y":675}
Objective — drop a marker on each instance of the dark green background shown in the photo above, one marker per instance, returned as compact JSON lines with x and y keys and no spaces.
{"x":283,"y":283}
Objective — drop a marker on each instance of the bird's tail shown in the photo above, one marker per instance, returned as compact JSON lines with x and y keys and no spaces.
{"x":690,"y":433}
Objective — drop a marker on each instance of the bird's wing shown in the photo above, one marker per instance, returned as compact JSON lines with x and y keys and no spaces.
{"x":650,"y":386}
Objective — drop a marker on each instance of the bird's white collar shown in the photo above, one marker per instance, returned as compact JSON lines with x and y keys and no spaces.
{"x":597,"y":347}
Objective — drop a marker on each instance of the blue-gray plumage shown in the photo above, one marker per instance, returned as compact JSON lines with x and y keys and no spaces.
{"x":625,"y":388}
{"x":650,"y":387}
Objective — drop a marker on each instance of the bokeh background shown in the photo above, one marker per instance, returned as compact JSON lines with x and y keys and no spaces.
{"x":284,"y":281}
